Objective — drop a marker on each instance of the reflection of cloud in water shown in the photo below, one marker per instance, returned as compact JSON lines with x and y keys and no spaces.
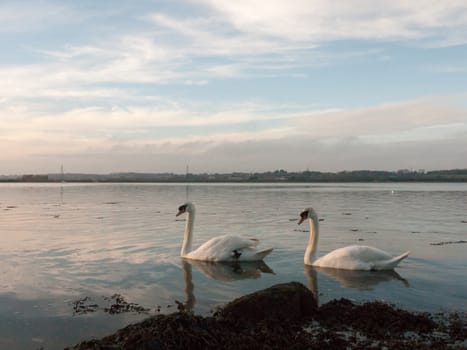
{"x":355,"y":279}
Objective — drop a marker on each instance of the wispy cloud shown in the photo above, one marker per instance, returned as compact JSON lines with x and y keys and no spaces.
{"x":29,"y":16}
{"x":318,"y":21}
{"x":235,"y":39}
{"x":395,"y":118}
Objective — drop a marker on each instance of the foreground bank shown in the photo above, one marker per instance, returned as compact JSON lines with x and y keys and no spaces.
{"x":287,"y":316}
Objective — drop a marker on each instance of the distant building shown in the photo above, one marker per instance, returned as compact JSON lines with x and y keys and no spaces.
{"x":35,"y":178}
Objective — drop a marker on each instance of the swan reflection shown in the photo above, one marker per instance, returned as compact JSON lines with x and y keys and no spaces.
{"x":230,"y":271}
{"x":355,"y":279}
{"x":221,"y":271}
{"x":189,"y":286}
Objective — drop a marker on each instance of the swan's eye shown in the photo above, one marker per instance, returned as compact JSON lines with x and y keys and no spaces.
{"x":304,"y":214}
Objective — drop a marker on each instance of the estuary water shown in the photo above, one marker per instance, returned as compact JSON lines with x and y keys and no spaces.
{"x":63,"y":243}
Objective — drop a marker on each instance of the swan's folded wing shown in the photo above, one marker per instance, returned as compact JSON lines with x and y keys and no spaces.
{"x":221,"y":248}
{"x":237,"y":242}
{"x":252,"y":242}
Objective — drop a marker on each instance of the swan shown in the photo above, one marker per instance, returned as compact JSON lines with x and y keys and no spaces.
{"x":221,"y":248}
{"x":353,"y":257}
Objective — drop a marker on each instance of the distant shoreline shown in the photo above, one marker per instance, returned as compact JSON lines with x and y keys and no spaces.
{"x":278,"y":176}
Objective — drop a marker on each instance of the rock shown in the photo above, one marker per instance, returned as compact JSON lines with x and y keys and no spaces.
{"x":287,"y":301}
{"x":285,"y":316}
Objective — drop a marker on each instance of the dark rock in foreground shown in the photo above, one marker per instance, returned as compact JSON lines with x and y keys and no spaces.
{"x":286,"y":316}
{"x":282,"y":302}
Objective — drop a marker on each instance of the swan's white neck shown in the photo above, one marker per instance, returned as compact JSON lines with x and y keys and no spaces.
{"x":187,"y":239}
{"x":312,"y":247}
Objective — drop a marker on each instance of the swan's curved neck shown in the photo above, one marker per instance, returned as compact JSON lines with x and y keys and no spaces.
{"x":312,"y":247}
{"x":188,"y":237}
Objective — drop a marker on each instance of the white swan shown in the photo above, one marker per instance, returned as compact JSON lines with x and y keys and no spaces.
{"x":221,"y":248}
{"x":354,"y":257}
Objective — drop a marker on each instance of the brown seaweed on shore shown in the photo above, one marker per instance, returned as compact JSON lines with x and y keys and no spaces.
{"x":83,"y":306}
{"x":120,"y":305}
{"x":286,"y":316}
{"x":449,"y":242}
{"x":117,"y":305}
{"x":376,"y":318}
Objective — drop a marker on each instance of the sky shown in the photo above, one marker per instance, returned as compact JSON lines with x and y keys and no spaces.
{"x":224,"y":86}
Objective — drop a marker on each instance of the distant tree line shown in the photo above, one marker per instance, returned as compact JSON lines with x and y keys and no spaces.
{"x":456,"y":175}
{"x":403,"y":175}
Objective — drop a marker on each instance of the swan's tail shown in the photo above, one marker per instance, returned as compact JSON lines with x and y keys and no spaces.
{"x":262,"y":253}
{"x":391,"y":263}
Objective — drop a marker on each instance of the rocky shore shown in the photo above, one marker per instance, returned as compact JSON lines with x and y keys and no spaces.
{"x":286,"y":316}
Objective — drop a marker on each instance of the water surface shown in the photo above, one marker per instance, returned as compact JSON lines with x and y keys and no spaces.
{"x":63,"y":242}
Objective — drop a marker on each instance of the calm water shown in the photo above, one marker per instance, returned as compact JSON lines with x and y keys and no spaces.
{"x":64,"y":242}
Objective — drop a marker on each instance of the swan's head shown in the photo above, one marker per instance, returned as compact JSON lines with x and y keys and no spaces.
{"x":188,"y":207}
{"x":308,"y":213}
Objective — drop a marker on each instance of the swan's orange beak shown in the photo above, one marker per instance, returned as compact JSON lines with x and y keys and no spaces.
{"x":180,"y":212}
{"x":301,"y":220}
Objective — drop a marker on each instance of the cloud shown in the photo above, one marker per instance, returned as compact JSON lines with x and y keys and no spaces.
{"x":227,"y":40}
{"x":249,"y":140}
{"x":319,"y":21}
{"x":397,"y":118}
{"x":156,"y":84}
{"x":292,"y":153}
{"x":301,"y":153}
{"x":29,"y":16}
{"x":131,"y":130}
{"x":120,"y":119}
